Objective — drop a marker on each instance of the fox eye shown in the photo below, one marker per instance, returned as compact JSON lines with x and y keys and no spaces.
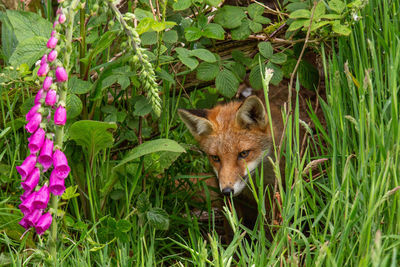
{"x":214,"y":158}
{"x":243,"y":154}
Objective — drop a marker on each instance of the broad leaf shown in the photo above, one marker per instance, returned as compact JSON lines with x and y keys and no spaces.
{"x":27,"y":25}
{"x":337,"y":5}
{"x":124,"y":226}
{"x":229,"y":17}
{"x":193,"y":34}
{"x":213,"y":3}
{"x":265,"y":49}
{"x":320,"y":10}
{"x":214,"y":31}
{"x":203,"y":54}
{"x":207,"y":71}
{"x":340,"y":29}
{"x":149,"y":38}
{"x":74,"y":106}
{"x":297,"y":24}
{"x":255,"y":10}
{"x":78,"y":86}
{"x":300,"y":14}
{"x":242,"y":32}
{"x":188,"y":61}
{"x":158,"y":218}
{"x":142,"y":106}
{"x":29,"y":51}
{"x":279,"y":58}
{"x":181,"y":5}
{"x":227,"y":83}
{"x":170,"y":36}
{"x":255,"y":27}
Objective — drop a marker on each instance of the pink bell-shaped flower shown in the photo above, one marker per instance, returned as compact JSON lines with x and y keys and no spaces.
{"x":43,"y":60}
{"x":55,"y":23}
{"x":60,"y":116}
{"x":27,"y":205}
{"x":51,"y":98}
{"x":61,"y":74}
{"x":32,"y":111}
{"x":36,"y":140}
{"x":41,"y":198}
{"x":60,"y":164}
{"x":53,"y":33}
{"x":43,"y":223}
{"x":48,"y":81}
{"x":52,"y":42}
{"x":39,"y":96}
{"x":62,"y":18}
{"x":46,"y":154}
{"x":57,"y":184}
{"x":33,"y":217}
{"x":24,"y":223}
{"x":52,"y":55}
{"x":33,"y":179}
{"x":43,"y":70}
{"x":33,"y":123}
{"x":27,"y":166}
{"x":24,"y":195}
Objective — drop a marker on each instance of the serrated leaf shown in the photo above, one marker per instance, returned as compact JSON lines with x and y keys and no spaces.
{"x":255,"y":77}
{"x":193,"y":34}
{"x":278,"y":73}
{"x":341,"y":29}
{"x":160,"y":161}
{"x":170,"y":37}
{"x":239,"y":56}
{"x":278,"y":58}
{"x":300,"y":14}
{"x":242,"y":32}
{"x":140,"y":14}
{"x":331,"y":16}
{"x":308,"y":75}
{"x":229,"y":17}
{"x":265,"y":49}
{"x":165,"y":76}
{"x":28,"y":51}
{"x":143,"y":203}
{"x":78,"y":86}
{"x":142,"y":106}
{"x":182,"y":51}
{"x":27,"y":25}
{"x":111,"y":224}
{"x":207,"y":71}
{"x":203,"y":54}
{"x":188,"y":61}
{"x":124,"y":226}
{"x":337,"y":5}
{"x":70,"y":192}
{"x":214,"y":31}
{"x":181,"y":5}
{"x":148,"y":38}
{"x":320,"y":10}
{"x":226,"y":83}
{"x":93,"y":136}
{"x":151,"y":147}
{"x":296,"y":6}
{"x":74,"y":106}
{"x":158,"y":218}
{"x":144,"y":25}
{"x":317,"y":25}
{"x":297,"y":24}
{"x":255,"y":27}
{"x":262,"y":20}
{"x":8,"y":39}
{"x":255,"y":10}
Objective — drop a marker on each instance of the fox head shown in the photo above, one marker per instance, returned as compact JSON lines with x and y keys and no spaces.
{"x":236,"y":137}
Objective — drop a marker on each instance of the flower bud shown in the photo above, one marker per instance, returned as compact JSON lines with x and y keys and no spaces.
{"x":26,"y":205}
{"x":27,"y":166}
{"x":43,"y":70}
{"x":60,"y":116}
{"x":48,"y":81}
{"x":61,"y":74}
{"x":59,"y":11}
{"x":53,"y":33}
{"x":41,"y":198}
{"x":52,"y":42}
{"x":62,"y":19}
{"x":36,"y":140}
{"x":43,"y":223}
{"x":55,"y":24}
{"x":43,"y":60}
{"x":52,"y":55}
{"x":60,"y":164}
{"x":33,"y":217}
{"x":51,"y":98}
{"x":33,"y":123}
{"x":38,"y":96}
{"x":57,"y":184}
{"x":33,"y":179}
{"x":32,"y":111}
{"x":46,"y":154}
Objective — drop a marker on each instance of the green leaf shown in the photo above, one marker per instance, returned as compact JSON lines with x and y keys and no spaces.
{"x":279,"y":58}
{"x":182,"y":51}
{"x":317,"y":25}
{"x":158,"y":218}
{"x":262,"y":20}
{"x":300,"y":14}
{"x":181,"y":5}
{"x":239,"y":56}
{"x":8,"y":39}
{"x":213,"y":3}
{"x":143,"y":203}
{"x":142,"y":106}
{"x":308,"y":75}
{"x":74,"y":106}
{"x":149,"y":38}
{"x":188,"y":61}
{"x":93,"y":136}
{"x":144,"y":25}
{"x":29,"y":51}
{"x":158,"y":162}
{"x":78,"y":86}
{"x":140,"y":14}
{"x":297,"y":24}
{"x":124,"y":226}
{"x":203,"y":54}
{"x":170,"y":37}
{"x":255,"y":27}
{"x":70,"y":192}
{"x":255,"y":77}
{"x":278,"y":73}
{"x":207,"y":71}
{"x":193,"y":34}
{"x":226,"y":83}
{"x":340,"y":29}
{"x":337,"y":5}
{"x":295,"y":6}
{"x":229,"y":17}
{"x":265,"y":49}
{"x":27,"y":25}
{"x":165,"y":76}
{"x":242,"y":32}
{"x":162,"y":25}
{"x":255,"y":10}
{"x":331,"y":16}
{"x":151,"y":147}
{"x":214,"y":31}
{"x":320,"y":10}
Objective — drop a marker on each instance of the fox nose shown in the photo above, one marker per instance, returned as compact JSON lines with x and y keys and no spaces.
{"x":227,"y":191}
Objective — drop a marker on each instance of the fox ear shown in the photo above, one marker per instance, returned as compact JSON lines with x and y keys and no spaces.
{"x":251,"y":112}
{"x":196,"y":121}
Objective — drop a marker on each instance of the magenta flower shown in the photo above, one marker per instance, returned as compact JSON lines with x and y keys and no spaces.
{"x":53,"y":33}
{"x":61,"y":74}
{"x":60,"y":164}
{"x":62,"y":19}
{"x":36,"y":140}
{"x":52,"y":42}
{"x":51,"y":98}
{"x":43,"y":60}
{"x":32,"y":111}
{"x":55,"y":24}
{"x":24,"y":223}
{"x":48,"y":81}
{"x":27,"y":166}
{"x":32,"y":217}
{"x":52,"y":55}
{"x":33,"y":179}
{"x":38,"y":96}
{"x":57,"y":184}
{"x":24,"y":195}
{"x":27,"y":205}
{"x":41,"y":198}
{"x":46,"y":154}
{"x":60,"y":116}
{"x":43,"y":223}
{"x":33,"y":123}
{"x":43,"y":70}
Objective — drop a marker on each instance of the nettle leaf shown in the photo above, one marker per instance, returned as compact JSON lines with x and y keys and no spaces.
{"x":297,"y":24}
{"x":255,"y":10}
{"x":226,"y":83}
{"x":158,"y":218}
{"x":214,"y":31}
{"x":149,"y":38}
{"x":203,"y":54}
{"x":188,"y":61}
{"x":278,"y":58}
{"x":74,"y":106}
{"x":242,"y":32}
{"x":255,"y":27}
{"x":337,"y":5}
{"x":152,"y":147}
{"x":265,"y":49}
{"x":181,"y":5}
{"x":300,"y":14}
{"x":207,"y":71}
{"x":78,"y":86}
{"x":27,"y":25}
{"x":170,"y":37}
{"x":229,"y":17}
{"x":93,"y":136}
{"x":193,"y":34}
{"x":340,"y":29}
{"x":142,"y":106}
{"x":28,"y":51}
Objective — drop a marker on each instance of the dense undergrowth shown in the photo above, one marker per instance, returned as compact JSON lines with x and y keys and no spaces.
{"x":130,"y":198}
